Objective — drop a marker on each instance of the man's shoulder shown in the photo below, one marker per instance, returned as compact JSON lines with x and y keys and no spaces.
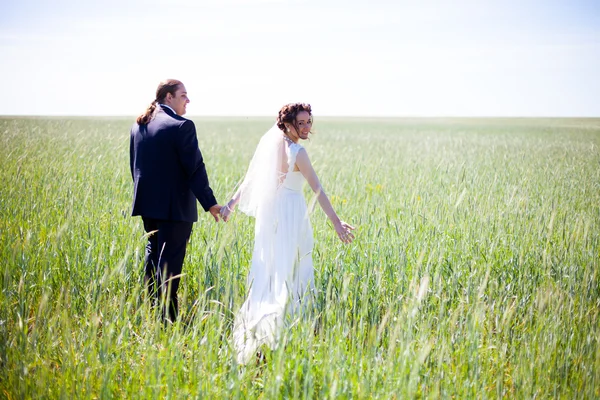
{"x":171,"y":118}
{"x":164,"y":121}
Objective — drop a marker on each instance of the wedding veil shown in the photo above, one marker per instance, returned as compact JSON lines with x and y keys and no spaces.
{"x":264,"y":175}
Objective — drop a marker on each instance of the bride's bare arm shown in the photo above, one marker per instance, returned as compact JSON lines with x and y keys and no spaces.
{"x":227,"y":209}
{"x":304,"y":165}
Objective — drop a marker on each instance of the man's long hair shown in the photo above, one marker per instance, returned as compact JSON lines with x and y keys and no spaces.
{"x":166,"y":86}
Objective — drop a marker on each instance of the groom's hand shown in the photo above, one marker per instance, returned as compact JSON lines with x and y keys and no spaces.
{"x":215,"y":211}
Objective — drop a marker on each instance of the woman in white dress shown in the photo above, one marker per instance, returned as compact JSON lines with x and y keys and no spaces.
{"x":281,"y":275}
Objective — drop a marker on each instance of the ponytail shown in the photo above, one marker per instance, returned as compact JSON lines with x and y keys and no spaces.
{"x":147,"y":116}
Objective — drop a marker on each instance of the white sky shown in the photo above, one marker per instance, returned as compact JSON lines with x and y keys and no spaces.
{"x":357,"y":58}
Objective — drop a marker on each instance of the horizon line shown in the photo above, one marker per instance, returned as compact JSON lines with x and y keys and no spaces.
{"x":319,"y":116}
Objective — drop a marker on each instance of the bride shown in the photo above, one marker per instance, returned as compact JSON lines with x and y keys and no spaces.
{"x":281,"y":275}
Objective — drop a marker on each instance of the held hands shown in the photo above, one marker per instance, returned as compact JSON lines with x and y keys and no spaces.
{"x":226,"y":211}
{"x":215,"y":211}
{"x":219,"y":212}
{"x":344,"y":232}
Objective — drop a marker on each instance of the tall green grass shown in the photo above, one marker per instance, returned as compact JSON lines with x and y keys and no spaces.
{"x":474,"y":273}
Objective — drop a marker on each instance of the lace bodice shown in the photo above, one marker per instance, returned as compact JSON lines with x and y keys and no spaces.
{"x":294,"y":180}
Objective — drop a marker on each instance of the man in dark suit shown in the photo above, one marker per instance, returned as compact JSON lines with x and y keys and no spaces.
{"x":168,"y":175}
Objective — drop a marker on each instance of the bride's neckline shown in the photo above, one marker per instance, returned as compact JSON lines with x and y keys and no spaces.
{"x":290,"y":141}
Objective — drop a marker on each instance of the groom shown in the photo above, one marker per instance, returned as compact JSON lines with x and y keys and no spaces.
{"x":168,"y":176}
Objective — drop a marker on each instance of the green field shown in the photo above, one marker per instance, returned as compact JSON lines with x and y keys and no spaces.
{"x":474,"y":274}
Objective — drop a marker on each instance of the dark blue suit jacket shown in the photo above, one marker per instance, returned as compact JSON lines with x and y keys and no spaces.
{"x":167,"y":169}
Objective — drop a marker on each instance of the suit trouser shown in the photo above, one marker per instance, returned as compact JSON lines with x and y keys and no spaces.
{"x":165,"y":252}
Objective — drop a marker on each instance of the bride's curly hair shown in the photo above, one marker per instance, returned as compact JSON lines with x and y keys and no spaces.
{"x":289,"y":112}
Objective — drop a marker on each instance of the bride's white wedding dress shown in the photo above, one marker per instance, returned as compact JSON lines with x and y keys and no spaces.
{"x":280,"y":281}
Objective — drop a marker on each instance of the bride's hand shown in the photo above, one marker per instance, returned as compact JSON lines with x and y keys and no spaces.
{"x":226,"y":212}
{"x":344,"y":232}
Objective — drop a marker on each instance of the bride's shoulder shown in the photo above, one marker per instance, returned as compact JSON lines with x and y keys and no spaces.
{"x":299,"y":150}
{"x":295,"y":147}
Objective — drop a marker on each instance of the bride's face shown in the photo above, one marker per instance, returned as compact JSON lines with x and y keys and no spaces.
{"x":303,"y":124}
